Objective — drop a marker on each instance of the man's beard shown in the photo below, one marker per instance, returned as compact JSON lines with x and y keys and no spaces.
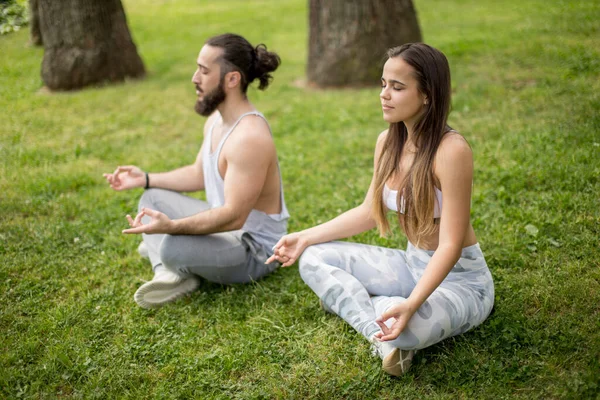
{"x":211,"y":101}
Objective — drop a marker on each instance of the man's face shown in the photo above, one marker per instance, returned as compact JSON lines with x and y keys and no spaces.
{"x":208,"y":82}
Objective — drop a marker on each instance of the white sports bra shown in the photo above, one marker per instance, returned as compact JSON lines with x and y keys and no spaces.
{"x":390,"y":200}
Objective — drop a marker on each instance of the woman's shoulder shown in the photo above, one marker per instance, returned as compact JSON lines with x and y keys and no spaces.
{"x":380,"y":141}
{"x":453,"y":149}
{"x":382,"y":136}
{"x":453,"y":142}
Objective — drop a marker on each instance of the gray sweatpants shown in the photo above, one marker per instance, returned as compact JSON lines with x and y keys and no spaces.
{"x":359,"y":282}
{"x":226,"y":257}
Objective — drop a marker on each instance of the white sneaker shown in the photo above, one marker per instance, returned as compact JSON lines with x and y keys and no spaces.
{"x":395,"y":361}
{"x":165,"y":287}
{"x":143,"y":250}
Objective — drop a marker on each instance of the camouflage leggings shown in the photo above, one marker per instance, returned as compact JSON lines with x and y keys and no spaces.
{"x":359,"y":282}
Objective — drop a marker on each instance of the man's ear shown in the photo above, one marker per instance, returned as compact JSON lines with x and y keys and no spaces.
{"x":233,"y":79}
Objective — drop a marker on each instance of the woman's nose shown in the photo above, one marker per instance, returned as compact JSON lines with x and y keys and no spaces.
{"x":385,"y":94}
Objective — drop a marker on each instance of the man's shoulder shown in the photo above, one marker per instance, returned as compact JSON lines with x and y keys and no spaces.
{"x":254,"y":123}
{"x":253,"y":128}
{"x":252,"y":134}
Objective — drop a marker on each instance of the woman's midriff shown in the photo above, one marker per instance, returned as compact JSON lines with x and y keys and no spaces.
{"x":432,"y":242}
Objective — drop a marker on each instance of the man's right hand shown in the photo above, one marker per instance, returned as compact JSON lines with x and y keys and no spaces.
{"x":126,"y":177}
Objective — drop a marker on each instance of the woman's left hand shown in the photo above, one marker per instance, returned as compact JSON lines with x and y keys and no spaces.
{"x":402,"y":313}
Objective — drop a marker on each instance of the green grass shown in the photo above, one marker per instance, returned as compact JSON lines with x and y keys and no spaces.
{"x":526,"y":76}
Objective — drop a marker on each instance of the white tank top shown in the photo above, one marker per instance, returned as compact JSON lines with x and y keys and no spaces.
{"x":266,"y":229}
{"x":390,"y":200}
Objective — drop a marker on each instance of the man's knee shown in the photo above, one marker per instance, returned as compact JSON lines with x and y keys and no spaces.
{"x":170,"y":252}
{"x":148,"y":198}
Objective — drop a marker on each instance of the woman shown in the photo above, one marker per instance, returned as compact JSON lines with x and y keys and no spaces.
{"x":440,"y":286}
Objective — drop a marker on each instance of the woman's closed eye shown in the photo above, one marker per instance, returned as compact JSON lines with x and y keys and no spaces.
{"x":397,"y":88}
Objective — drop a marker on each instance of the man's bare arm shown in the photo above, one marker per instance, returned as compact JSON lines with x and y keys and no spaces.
{"x":248,"y":156}
{"x":185,"y":179}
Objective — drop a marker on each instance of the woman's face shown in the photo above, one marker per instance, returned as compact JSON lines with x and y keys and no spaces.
{"x":400,"y":97}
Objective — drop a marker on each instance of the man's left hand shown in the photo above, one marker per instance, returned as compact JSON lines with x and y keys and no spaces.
{"x":159,"y":223}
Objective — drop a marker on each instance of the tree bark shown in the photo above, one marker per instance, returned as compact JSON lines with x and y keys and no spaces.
{"x":348,"y":38}
{"x":34,"y":21}
{"x":86,"y":42}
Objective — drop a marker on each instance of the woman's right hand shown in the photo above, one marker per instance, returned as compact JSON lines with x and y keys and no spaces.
{"x":126,"y":177}
{"x":288,"y":249}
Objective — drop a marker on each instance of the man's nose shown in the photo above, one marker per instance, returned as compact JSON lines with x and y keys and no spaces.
{"x":196,"y":78}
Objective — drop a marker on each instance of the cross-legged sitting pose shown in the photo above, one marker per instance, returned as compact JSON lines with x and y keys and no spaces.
{"x":440,"y":286}
{"x":228,"y":238}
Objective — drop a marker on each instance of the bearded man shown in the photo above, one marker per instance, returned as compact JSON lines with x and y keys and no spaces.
{"x":228,"y":238}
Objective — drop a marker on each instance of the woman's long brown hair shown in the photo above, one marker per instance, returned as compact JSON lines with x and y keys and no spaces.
{"x":432,"y":73}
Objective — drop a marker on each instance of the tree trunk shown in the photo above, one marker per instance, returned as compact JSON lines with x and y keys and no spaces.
{"x":348,"y":38}
{"x":86,"y":42}
{"x":34,"y":22}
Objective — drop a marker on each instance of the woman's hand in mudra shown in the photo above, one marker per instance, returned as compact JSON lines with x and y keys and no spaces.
{"x":402,"y":313}
{"x":288,"y":249}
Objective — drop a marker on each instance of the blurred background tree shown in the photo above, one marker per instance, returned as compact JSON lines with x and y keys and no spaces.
{"x":35,"y":35}
{"x":86,"y":42}
{"x":347,"y":39}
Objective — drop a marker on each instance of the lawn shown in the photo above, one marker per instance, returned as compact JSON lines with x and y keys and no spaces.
{"x":526,"y":80}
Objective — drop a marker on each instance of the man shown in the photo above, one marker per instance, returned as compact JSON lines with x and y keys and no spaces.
{"x":229,"y":238}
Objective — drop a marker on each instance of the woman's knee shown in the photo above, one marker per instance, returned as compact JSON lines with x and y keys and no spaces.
{"x":309,"y":261}
{"x":329,"y":253}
